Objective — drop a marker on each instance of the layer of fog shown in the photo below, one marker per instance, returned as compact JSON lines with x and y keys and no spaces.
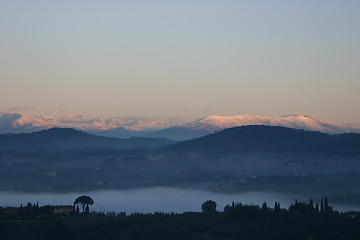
{"x":149,"y":200}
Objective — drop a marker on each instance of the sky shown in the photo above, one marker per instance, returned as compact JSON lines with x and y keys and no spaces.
{"x":188,"y":58}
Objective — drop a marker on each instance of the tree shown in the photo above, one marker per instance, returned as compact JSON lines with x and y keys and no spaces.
{"x":87,"y":209}
{"x":326,"y":204}
{"x":311,"y":203}
{"x":277,"y":206}
{"x":317,"y":207}
{"x":327,"y":207}
{"x":21,"y":210}
{"x":322,"y":206}
{"x":264,"y":207}
{"x":36,"y":209}
{"x":209,"y":206}
{"x":28,"y":209}
{"x":84,"y":201}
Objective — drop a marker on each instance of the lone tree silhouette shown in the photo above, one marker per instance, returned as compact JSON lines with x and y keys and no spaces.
{"x":84,"y":201}
{"x":209,"y":206}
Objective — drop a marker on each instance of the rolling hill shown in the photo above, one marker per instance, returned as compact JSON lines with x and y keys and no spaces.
{"x":273,"y":139}
{"x":59,"y":138}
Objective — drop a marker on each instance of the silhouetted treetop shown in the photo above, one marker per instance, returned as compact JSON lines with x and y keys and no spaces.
{"x":209,"y":206}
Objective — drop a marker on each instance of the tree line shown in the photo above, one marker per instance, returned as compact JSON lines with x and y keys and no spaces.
{"x":301,"y":220}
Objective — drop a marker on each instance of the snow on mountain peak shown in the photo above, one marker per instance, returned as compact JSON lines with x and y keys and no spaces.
{"x":215,"y":123}
{"x":18,"y":123}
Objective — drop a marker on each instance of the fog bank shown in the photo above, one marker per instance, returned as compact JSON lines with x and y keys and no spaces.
{"x":149,"y":200}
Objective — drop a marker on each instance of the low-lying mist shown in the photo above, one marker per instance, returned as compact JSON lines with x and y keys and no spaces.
{"x":158,"y":199}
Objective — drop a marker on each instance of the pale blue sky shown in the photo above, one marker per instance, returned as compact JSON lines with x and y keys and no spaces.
{"x":181,"y":58}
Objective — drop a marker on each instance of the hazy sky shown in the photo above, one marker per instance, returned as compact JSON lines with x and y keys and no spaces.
{"x":181,"y":58}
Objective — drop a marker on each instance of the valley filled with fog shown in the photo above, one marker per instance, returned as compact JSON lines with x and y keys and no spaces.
{"x":262,"y":159}
{"x":158,"y":199}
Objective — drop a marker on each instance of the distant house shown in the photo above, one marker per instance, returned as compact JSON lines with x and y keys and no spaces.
{"x":63,"y":209}
{"x":12,"y":210}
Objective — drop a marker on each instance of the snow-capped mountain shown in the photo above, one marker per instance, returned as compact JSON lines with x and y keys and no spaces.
{"x":215,"y":123}
{"x":211,"y":124}
{"x":167,"y":128}
{"x":18,"y":123}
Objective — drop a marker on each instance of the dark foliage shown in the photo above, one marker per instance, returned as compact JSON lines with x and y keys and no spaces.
{"x":238,"y":221}
{"x":84,"y":201}
{"x":209,"y":206}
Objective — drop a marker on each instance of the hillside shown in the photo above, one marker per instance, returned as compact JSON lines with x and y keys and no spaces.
{"x":58,"y":138}
{"x":67,"y":160}
{"x":269,"y":139}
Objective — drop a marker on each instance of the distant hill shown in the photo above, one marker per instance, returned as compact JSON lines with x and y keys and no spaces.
{"x":70,"y":138}
{"x":118,"y":132}
{"x":273,"y":139}
{"x":179,"y":133}
{"x":344,"y":144}
{"x":211,"y":124}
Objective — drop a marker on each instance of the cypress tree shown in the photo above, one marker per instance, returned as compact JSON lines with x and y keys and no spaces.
{"x":277,"y":206}
{"x":21,"y":210}
{"x":264,"y":207}
{"x":322,"y":205}
{"x":326,"y":204}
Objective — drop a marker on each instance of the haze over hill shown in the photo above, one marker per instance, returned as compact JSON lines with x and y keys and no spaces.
{"x":69,"y":160}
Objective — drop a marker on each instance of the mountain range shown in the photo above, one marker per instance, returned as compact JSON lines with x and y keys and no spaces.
{"x":164,"y":128}
{"x":20,"y":123}
{"x":211,"y":124}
